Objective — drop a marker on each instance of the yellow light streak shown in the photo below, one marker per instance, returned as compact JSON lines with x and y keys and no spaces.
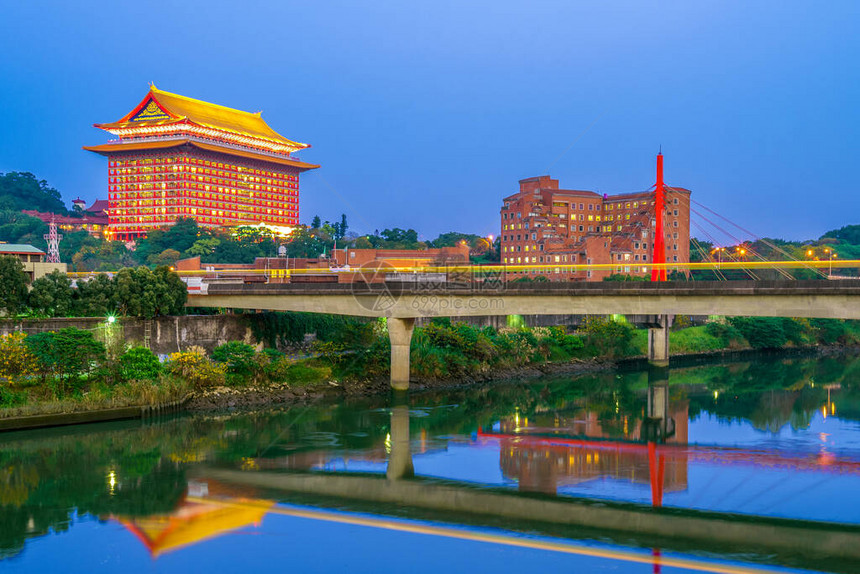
{"x":546,"y":267}
{"x":448,"y":532}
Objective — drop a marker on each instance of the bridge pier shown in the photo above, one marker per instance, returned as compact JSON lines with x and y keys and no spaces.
{"x":400,"y":457}
{"x":658,"y":424}
{"x":400,"y":335}
{"x":658,"y":340}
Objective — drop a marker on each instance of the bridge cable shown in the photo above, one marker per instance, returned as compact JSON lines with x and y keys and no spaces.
{"x":738,"y":240}
{"x":706,"y":256}
{"x":763,"y":240}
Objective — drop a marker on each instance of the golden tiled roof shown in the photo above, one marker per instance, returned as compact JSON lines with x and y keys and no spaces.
{"x":175,"y":108}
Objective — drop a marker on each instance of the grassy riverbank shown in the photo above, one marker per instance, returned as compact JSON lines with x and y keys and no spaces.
{"x":71,"y":371}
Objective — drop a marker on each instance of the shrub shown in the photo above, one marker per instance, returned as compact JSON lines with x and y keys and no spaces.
{"x":306,"y":374}
{"x":607,"y":337}
{"x":16,"y":360}
{"x":239,"y":358}
{"x":761,"y":332}
{"x":828,"y":331}
{"x":10,"y":398}
{"x":139,"y":363}
{"x":194,"y":367}
{"x":725,"y":332}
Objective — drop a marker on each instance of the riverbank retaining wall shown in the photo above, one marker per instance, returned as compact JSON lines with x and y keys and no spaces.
{"x":164,"y":335}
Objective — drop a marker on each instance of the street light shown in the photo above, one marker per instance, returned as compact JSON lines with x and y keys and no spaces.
{"x":719,"y":251}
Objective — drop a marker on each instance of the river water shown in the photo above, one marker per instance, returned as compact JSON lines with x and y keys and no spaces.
{"x":503,"y":477}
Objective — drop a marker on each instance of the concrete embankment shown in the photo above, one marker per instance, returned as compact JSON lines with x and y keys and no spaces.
{"x":164,"y":335}
{"x":95,"y":416}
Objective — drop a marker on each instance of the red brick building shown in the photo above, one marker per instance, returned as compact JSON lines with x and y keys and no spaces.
{"x":178,"y":157}
{"x":556,"y":230}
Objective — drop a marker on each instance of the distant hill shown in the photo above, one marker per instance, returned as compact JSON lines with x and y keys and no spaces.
{"x":21,"y":190}
{"x":848,"y":234}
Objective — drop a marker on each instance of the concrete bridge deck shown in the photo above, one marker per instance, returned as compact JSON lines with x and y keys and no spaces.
{"x":825,"y":299}
{"x":402,"y":303}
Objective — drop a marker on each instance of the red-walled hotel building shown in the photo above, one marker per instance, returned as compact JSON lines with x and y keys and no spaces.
{"x":556,"y":230}
{"x":178,"y":157}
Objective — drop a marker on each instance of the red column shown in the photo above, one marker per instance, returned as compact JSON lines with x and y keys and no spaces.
{"x":659,"y":256}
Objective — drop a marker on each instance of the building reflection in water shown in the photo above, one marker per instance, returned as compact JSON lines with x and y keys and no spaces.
{"x":197,"y":517}
{"x":553,"y":450}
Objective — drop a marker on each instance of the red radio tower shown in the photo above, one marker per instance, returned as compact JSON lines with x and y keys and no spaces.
{"x":659,"y":257}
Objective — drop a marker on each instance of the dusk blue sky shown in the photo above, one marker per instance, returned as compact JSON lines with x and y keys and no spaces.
{"x":425,"y":114}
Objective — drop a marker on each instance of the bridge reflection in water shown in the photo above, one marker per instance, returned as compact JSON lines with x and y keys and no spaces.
{"x":543,"y":457}
{"x":537,"y":454}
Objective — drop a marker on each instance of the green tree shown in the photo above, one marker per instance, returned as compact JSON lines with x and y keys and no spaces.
{"x":343,"y":227}
{"x":13,"y":279}
{"x":96,"y":297}
{"x":397,"y":239}
{"x":316,"y":222}
{"x":16,"y":227}
{"x":305,"y":243}
{"x":203,"y":247}
{"x":180,"y":237}
{"x":69,"y":354}
{"x":454,"y":238}
{"x":75,"y":241}
{"x":102,"y":256}
{"x":166,"y":257}
{"x":362,"y":243}
{"x":141,"y":292}
{"x":52,"y":295}
{"x":848,"y":234}
{"x":21,"y":190}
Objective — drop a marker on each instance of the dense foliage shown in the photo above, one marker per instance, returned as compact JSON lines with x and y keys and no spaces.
{"x":13,"y":279}
{"x":133,"y":292}
{"x":23,"y":191}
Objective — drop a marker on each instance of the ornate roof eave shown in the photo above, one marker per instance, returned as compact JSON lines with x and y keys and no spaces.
{"x":129,"y":129}
{"x":111,"y":148}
